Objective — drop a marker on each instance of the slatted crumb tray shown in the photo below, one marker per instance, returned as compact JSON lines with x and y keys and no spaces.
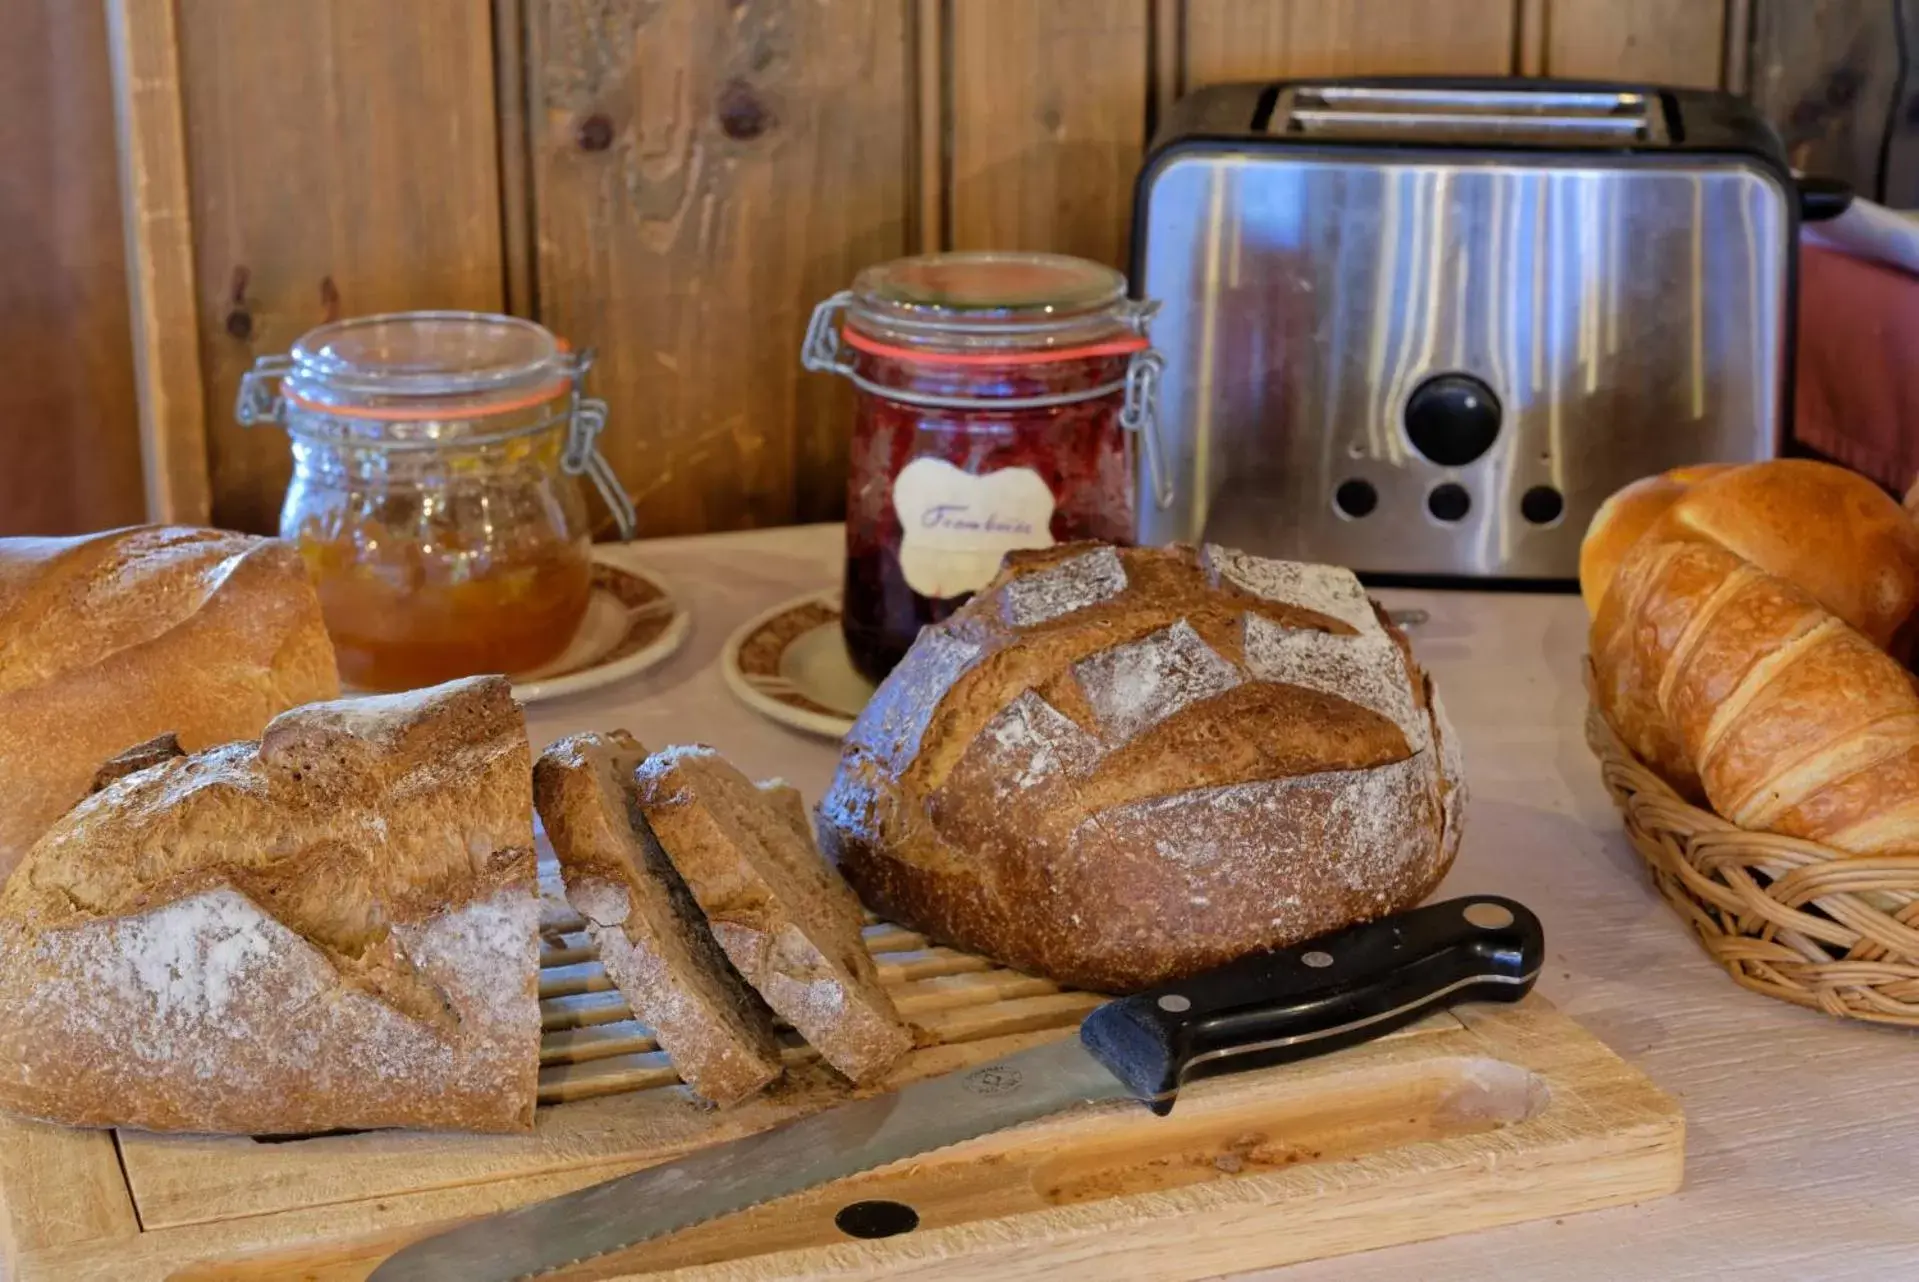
{"x":1488,"y":1116}
{"x":592,"y":1046}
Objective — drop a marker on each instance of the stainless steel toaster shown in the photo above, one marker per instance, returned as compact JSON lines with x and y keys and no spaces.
{"x":1424,"y":328}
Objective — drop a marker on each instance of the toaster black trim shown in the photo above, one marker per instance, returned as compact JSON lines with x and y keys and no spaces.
{"x":1463,"y":583}
{"x":1263,"y":112}
{"x":1700,"y":122}
{"x":1697,"y":120}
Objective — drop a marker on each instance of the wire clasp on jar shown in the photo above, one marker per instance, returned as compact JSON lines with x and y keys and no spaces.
{"x":582,"y":455}
{"x":823,"y":352}
{"x":260,"y":400}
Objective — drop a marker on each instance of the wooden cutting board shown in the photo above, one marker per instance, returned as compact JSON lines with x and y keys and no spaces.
{"x":1488,"y":1116}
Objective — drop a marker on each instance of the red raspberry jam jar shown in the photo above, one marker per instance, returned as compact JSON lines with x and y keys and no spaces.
{"x":997,"y":398}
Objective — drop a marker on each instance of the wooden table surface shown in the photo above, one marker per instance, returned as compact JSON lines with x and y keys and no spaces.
{"x":1803,"y":1131}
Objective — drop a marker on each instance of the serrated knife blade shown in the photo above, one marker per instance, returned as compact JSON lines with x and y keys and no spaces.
{"x":1273,"y":1008}
{"x":814,"y":1150}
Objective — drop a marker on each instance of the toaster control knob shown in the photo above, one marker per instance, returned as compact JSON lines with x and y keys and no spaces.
{"x":1452,"y":419}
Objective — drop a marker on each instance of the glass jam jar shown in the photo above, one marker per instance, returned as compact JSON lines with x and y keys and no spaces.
{"x":997,"y":397}
{"x":435,"y":493}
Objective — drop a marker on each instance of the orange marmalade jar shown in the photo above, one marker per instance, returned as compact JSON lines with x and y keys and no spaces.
{"x":435,"y":493}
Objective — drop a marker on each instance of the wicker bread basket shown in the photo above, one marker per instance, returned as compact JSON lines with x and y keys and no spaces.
{"x":1792,"y":919}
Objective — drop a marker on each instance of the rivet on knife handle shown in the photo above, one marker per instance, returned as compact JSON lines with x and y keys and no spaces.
{"x":1329,"y":992}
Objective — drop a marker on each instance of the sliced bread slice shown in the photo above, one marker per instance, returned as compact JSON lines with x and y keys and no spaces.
{"x":786,"y":799}
{"x":653,"y":939}
{"x":785,"y":918}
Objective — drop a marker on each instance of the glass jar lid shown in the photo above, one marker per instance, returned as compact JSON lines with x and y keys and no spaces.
{"x":435,"y":380}
{"x":406,"y":365}
{"x":993,"y":301}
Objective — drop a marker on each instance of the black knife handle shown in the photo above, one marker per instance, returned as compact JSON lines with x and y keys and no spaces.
{"x":1333,"y":991}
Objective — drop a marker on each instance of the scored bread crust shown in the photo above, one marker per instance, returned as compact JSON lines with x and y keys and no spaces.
{"x":110,"y":639}
{"x":653,"y":939}
{"x":1114,"y":767}
{"x":334,"y":928}
{"x":785,"y":919}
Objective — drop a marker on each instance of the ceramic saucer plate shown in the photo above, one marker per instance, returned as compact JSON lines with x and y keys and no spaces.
{"x":789,"y":664}
{"x":632,"y":623}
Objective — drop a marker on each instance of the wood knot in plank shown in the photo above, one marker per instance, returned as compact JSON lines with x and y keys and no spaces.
{"x":239,"y":322}
{"x":743,"y":114}
{"x":594,"y":133}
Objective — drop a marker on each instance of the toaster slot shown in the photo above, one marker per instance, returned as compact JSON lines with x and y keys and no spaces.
{"x":1552,"y":117}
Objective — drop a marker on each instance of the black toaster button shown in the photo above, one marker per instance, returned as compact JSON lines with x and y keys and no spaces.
{"x":1355,"y":498}
{"x":1542,"y":505}
{"x":1449,"y":502}
{"x":1452,"y":419}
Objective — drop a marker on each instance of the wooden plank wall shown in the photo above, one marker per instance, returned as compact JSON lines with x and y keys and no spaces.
{"x":674,"y":183}
{"x":1836,"y":78}
{"x":702,"y":174}
{"x":342,"y":159}
{"x":69,"y":436}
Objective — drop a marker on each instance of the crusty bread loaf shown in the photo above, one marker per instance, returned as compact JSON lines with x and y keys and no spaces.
{"x":1832,"y":532}
{"x":110,"y":639}
{"x":332,"y":928}
{"x":653,"y":939}
{"x":783,"y":917}
{"x":1752,"y":693}
{"x":1115,"y":767}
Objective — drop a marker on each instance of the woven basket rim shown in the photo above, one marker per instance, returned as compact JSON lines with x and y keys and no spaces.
{"x":1792,"y":918}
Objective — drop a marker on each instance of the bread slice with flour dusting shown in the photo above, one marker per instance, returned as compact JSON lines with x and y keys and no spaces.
{"x":783,"y":916}
{"x":332,"y":928}
{"x":653,"y":939}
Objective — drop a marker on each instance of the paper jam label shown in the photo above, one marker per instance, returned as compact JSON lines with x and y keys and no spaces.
{"x":955,"y":527}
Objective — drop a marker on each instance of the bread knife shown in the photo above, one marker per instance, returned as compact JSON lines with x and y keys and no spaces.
{"x":1271,"y":1008}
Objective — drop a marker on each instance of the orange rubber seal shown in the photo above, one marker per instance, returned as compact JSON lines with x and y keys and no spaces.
{"x":397,"y":414}
{"x":1112,"y":347}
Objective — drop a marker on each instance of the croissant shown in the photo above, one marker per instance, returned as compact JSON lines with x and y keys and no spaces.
{"x":1738,"y":685}
{"x":1830,"y":531}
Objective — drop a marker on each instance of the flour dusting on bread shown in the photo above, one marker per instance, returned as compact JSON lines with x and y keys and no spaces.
{"x":1076,"y":584}
{"x":1135,"y":686}
{"x":1364,"y":830}
{"x":208,"y":1014}
{"x":1323,"y":589}
{"x":1367,"y":670}
{"x":934,"y":663}
{"x":186,"y":962}
{"x":497,"y":935}
{"x":1031,"y":741}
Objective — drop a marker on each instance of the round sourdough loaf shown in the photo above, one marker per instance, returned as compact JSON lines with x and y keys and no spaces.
{"x":1116,"y":767}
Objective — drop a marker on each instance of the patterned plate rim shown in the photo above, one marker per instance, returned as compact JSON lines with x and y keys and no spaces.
{"x":789,"y":707}
{"x":662,"y":646}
